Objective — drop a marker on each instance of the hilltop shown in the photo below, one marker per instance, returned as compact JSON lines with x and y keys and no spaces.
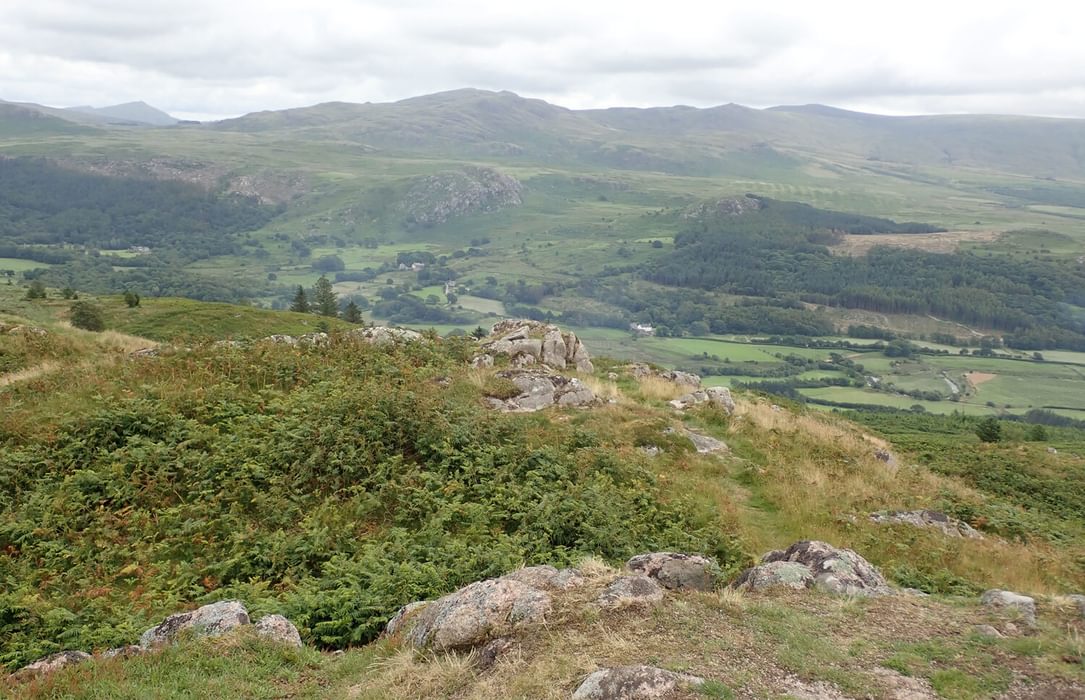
{"x":336,"y":480}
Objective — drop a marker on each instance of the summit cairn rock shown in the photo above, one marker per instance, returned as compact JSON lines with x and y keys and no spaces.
{"x":527,"y":342}
{"x":836,"y":570}
{"x":676,"y":571}
{"x":635,"y":683}
{"x":478,"y":613}
{"x":212,"y":620}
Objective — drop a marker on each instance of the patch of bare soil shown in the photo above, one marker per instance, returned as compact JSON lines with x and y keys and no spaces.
{"x":933,"y":242}
{"x":977,"y":378}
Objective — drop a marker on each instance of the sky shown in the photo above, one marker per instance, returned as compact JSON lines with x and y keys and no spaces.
{"x":209,"y":59}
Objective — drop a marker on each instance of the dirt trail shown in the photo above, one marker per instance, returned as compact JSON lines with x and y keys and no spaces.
{"x":28,"y":373}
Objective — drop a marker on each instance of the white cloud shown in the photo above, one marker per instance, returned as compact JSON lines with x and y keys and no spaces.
{"x":216,"y":58}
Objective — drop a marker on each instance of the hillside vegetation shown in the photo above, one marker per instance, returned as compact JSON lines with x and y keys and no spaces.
{"x":335,"y":484}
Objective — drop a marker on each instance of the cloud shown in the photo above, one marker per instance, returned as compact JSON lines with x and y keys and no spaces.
{"x":214,"y":58}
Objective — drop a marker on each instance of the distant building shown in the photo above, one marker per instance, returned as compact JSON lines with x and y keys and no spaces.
{"x":450,"y":287}
{"x":139,"y":249}
{"x":418,"y":266}
{"x":642,"y":329}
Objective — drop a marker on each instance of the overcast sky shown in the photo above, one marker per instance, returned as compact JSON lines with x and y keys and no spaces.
{"x":208,"y":59}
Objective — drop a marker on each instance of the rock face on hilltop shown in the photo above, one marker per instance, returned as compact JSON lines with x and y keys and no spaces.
{"x":836,"y":570}
{"x":541,"y":389}
{"x":436,"y":199}
{"x":527,"y":343}
{"x":728,"y":206}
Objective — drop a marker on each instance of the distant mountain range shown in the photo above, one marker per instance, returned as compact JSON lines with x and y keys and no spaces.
{"x":127,"y":114}
{"x":724,"y":140}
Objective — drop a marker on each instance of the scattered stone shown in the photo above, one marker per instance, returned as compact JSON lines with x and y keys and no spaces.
{"x":144,"y":353}
{"x":838,"y":571}
{"x":719,"y":396}
{"x":885,"y":456}
{"x":212,"y":620}
{"x":478,"y":613}
{"x":681,"y":378}
{"x":22,"y":330}
{"x":612,"y":376}
{"x":482,"y":361}
{"x":541,"y":389}
{"x":280,"y":339}
{"x":494,"y":649}
{"x":527,"y":342}
{"x":51,"y":663}
{"x":987,"y":631}
{"x":903,"y":687}
{"x":635,"y":683}
{"x":928,"y":518}
{"x":546,"y":578}
{"x":1080,"y":601}
{"x":402,"y":615}
{"x":1052,"y":451}
{"x":278,"y":629}
{"x":651,"y":450}
{"x":125,"y":652}
{"x":677,"y":572}
{"x":775,"y":408}
{"x":1008,"y":600}
{"x":626,"y":591}
{"x":786,"y":574}
{"x":704,"y":444}
{"x":321,"y":340}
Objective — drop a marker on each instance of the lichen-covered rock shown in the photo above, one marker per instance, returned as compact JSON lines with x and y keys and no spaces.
{"x":719,"y":396}
{"x":211,"y":620}
{"x":626,"y":591}
{"x":277,"y":628}
{"x":1078,"y":600}
{"x":928,"y":518}
{"x":541,"y":389}
{"x":478,"y":613}
{"x":51,"y":663}
{"x":635,"y":683}
{"x":125,"y":652}
{"x":775,"y":574}
{"x":383,"y":335}
{"x":836,"y":570}
{"x":681,"y":378}
{"x":676,"y":571}
{"x":1008,"y":600}
{"x":546,"y":578}
{"x":527,"y":342}
{"x":492,"y":651}
{"x":482,"y":361}
{"x":403,"y":617}
{"x":705,"y":444}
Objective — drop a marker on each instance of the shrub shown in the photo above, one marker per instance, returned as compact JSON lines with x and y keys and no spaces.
{"x":87,"y":316}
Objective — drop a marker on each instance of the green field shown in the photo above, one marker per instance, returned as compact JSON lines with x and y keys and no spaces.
{"x":20,"y":265}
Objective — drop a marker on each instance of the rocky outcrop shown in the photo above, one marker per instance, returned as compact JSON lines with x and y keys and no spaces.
{"x":719,"y":396}
{"x":635,"y":683}
{"x":383,"y":335}
{"x":927,"y":518}
{"x":476,"y":614}
{"x":640,"y":370}
{"x":19,"y":329}
{"x":212,"y":620}
{"x":838,"y":571}
{"x":726,"y":207}
{"x":1079,"y":601}
{"x":1000,"y":600}
{"x":307,"y":340}
{"x":437,"y":199}
{"x":541,"y":389}
{"x":546,"y":578}
{"x":677,"y":572}
{"x":527,"y":342}
{"x":277,"y":628}
{"x":704,"y":444}
{"x":626,"y":591}
{"x":51,"y":663}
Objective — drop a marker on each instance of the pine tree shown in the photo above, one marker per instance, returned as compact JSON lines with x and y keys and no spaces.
{"x":325,"y":300}
{"x":301,"y":302}
{"x":352,"y":314}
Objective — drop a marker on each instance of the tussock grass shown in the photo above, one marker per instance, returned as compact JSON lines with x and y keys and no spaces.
{"x":652,"y":388}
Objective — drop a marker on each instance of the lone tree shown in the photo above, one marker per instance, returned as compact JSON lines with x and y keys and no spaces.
{"x":989,"y":429}
{"x":87,"y":316}
{"x":36,"y":291}
{"x":479,"y":332}
{"x":301,"y":302}
{"x":351,"y":313}
{"x":131,"y":298}
{"x":325,"y":300}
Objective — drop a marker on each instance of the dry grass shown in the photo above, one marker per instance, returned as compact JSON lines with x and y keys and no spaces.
{"x":947,"y":242}
{"x":28,"y":373}
{"x":653,"y":388}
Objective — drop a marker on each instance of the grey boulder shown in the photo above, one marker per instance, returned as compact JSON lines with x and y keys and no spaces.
{"x":51,"y":663}
{"x":277,"y":628}
{"x":1009,"y":601}
{"x":635,"y":683}
{"x":478,"y":613}
{"x":212,"y":620}
{"x":835,"y":570}
{"x":628,"y":591}
{"x":775,"y":574}
{"x":676,"y":571}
